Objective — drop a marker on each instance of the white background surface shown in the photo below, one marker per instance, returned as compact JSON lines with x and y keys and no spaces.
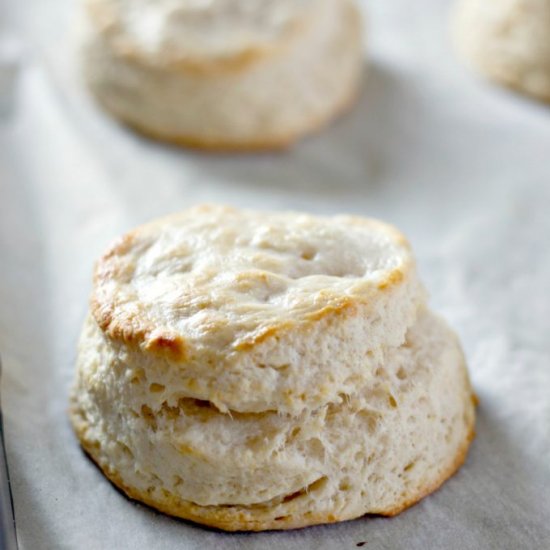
{"x":462,"y":167}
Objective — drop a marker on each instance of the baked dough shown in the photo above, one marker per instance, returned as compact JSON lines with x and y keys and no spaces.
{"x":255,"y":306}
{"x":223,"y":74}
{"x":251,"y":370}
{"x":508,"y":41}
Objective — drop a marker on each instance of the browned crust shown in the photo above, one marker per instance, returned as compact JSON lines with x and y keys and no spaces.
{"x":235,"y":518}
{"x":395,"y":278}
{"x":138,"y":331}
{"x":129,"y":328}
{"x":248,"y":342}
{"x":133,"y":327}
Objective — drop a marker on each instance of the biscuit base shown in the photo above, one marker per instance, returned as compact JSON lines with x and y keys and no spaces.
{"x":243,"y":518}
{"x":512,"y":84}
{"x":221,"y":145}
{"x":504,"y":67}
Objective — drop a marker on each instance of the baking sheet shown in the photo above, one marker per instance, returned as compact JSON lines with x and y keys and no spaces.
{"x":462,"y":167}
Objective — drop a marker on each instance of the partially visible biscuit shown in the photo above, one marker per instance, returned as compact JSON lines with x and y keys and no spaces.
{"x":226,"y":74}
{"x":508,"y":41}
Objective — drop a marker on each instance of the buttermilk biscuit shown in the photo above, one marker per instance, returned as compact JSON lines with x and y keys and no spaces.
{"x":508,"y":41}
{"x":252,"y":370}
{"x":259,"y":311}
{"x":223,"y":74}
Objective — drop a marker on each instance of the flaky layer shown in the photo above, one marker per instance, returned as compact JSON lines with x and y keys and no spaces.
{"x":260,"y":95}
{"x":253,"y":311}
{"x":377,"y":450}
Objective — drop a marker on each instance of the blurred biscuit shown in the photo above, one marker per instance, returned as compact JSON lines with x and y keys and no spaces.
{"x":224,"y":74}
{"x":508,"y":41}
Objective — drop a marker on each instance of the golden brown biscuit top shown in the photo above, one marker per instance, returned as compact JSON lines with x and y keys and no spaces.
{"x":224,"y":279}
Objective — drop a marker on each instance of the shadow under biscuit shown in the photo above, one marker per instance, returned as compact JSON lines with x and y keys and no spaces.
{"x":354,"y":152}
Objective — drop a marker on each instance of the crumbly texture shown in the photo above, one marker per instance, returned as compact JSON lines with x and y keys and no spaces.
{"x":256,"y":311}
{"x":260,"y":370}
{"x":376,"y":450}
{"x":224,"y":74}
{"x":508,"y":41}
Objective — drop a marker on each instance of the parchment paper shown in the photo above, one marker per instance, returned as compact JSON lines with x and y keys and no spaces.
{"x":459,"y":165}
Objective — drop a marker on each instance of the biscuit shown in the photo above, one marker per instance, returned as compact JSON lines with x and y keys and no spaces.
{"x":253,"y":370}
{"x":507,"y":41}
{"x":225,"y":74}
